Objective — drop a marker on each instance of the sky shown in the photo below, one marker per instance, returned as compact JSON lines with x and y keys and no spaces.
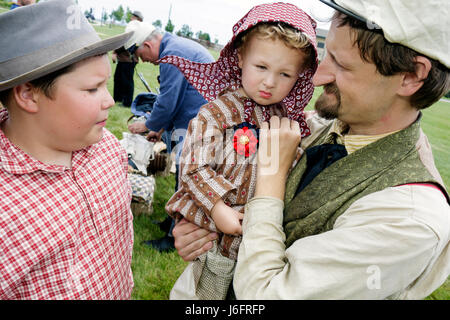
{"x":215,"y":17}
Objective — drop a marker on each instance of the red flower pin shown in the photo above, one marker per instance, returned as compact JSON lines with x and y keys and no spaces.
{"x":244,"y":141}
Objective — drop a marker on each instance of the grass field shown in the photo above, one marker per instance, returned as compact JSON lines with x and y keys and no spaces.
{"x":154,"y":272}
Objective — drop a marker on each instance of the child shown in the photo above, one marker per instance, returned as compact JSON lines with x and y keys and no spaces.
{"x":265,"y":70}
{"x":65,"y":222}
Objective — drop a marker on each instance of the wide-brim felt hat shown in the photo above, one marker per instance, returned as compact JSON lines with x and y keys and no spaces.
{"x":39,"y":39}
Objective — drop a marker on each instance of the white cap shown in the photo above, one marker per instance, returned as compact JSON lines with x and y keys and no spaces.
{"x":141,"y":32}
{"x":423,"y":26}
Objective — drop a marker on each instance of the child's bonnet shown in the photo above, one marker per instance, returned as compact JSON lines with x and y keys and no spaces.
{"x":211,"y":79}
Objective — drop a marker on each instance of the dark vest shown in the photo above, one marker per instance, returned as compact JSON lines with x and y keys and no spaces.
{"x":388,"y":162}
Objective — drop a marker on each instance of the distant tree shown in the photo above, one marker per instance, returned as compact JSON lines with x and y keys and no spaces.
{"x":104,"y":17}
{"x":169,"y":26}
{"x":185,"y":31}
{"x":203,"y":36}
{"x":128,"y":15}
{"x":118,"y":14}
{"x":157,"y":23}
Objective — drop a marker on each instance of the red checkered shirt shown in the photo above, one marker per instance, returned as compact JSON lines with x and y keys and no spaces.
{"x":65,"y":233}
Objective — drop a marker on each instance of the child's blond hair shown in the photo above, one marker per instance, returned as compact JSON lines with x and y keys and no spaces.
{"x":291,"y":37}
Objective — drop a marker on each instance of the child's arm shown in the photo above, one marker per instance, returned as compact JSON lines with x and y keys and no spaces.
{"x":227,"y":219}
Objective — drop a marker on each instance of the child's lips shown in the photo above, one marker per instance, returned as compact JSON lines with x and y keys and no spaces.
{"x":264,"y":94}
{"x":102,"y":122}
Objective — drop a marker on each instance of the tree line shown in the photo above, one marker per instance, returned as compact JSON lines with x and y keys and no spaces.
{"x":120,"y":15}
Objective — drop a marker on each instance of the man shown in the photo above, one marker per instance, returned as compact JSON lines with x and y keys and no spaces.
{"x":123,"y":76}
{"x":365,"y":213}
{"x":137,"y":15}
{"x":21,"y":3}
{"x":178,"y":102}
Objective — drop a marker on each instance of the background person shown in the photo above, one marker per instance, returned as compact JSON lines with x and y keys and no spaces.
{"x":21,"y":3}
{"x":124,"y":74}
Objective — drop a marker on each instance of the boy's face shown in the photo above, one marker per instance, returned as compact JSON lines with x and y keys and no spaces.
{"x":76,"y":114}
{"x":269,"y":70}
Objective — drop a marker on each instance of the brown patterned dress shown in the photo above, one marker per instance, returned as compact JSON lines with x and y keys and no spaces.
{"x":211,"y":169}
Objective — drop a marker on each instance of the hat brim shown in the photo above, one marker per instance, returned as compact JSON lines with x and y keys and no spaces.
{"x":94,"y":49}
{"x":337,"y":7}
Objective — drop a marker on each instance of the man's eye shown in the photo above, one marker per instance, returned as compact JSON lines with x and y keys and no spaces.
{"x":93,"y":90}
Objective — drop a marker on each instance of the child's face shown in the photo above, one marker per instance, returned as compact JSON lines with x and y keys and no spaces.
{"x":269,"y":70}
{"x":77,"y":113}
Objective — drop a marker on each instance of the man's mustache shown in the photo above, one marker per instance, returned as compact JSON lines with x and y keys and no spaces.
{"x":331,"y":88}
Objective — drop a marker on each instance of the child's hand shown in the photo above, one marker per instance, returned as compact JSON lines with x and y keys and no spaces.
{"x":227,"y":219}
{"x":277,"y":150}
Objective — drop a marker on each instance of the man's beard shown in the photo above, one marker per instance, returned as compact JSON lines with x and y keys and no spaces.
{"x":325,"y":108}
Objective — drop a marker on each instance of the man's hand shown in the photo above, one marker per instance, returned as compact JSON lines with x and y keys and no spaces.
{"x":227,"y":219}
{"x":155,"y":136}
{"x":137,"y":127}
{"x":191,"y":240}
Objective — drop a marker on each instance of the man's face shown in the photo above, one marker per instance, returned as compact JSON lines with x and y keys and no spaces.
{"x":26,"y":2}
{"x":354,"y":91}
{"x":148,"y":51}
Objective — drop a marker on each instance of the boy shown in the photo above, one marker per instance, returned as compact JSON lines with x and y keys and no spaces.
{"x":65,"y":223}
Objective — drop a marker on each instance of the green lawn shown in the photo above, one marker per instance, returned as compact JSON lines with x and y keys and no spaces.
{"x":155,"y":273}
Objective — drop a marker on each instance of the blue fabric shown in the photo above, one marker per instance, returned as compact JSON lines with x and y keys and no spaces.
{"x":178,"y":101}
{"x":318,"y":158}
{"x":14,"y":5}
{"x":142,"y":105}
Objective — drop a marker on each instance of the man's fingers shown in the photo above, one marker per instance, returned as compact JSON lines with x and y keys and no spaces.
{"x":295,"y":126}
{"x":191,"y":240}
{"x":274,"y":122}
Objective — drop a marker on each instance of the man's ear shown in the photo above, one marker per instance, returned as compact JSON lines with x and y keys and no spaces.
{"x":413,"y":81}
{"x":26,"y":97}
{"x":147,"y":44}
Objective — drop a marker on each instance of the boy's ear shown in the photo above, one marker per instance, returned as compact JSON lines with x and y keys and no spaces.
{"x":25,"y":96}
{"x":413,"y":81}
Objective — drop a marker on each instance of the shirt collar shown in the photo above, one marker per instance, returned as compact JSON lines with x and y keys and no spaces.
{"x":15,"y":161}
{"x":352,"y":143}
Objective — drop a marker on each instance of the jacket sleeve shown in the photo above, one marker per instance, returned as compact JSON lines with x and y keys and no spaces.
{"x":173,"y":87}
{"x":198,"y":162}
{"x":378,"y":249}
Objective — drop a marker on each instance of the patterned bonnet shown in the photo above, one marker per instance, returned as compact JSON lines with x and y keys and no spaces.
{"x":211,"y":79}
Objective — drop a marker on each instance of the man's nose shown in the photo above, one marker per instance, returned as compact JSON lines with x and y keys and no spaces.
{"x":324,"y":74}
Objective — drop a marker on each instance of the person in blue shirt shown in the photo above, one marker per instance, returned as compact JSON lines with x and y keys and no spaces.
{"x":21,"y":3}
{"x":178,"y":101}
